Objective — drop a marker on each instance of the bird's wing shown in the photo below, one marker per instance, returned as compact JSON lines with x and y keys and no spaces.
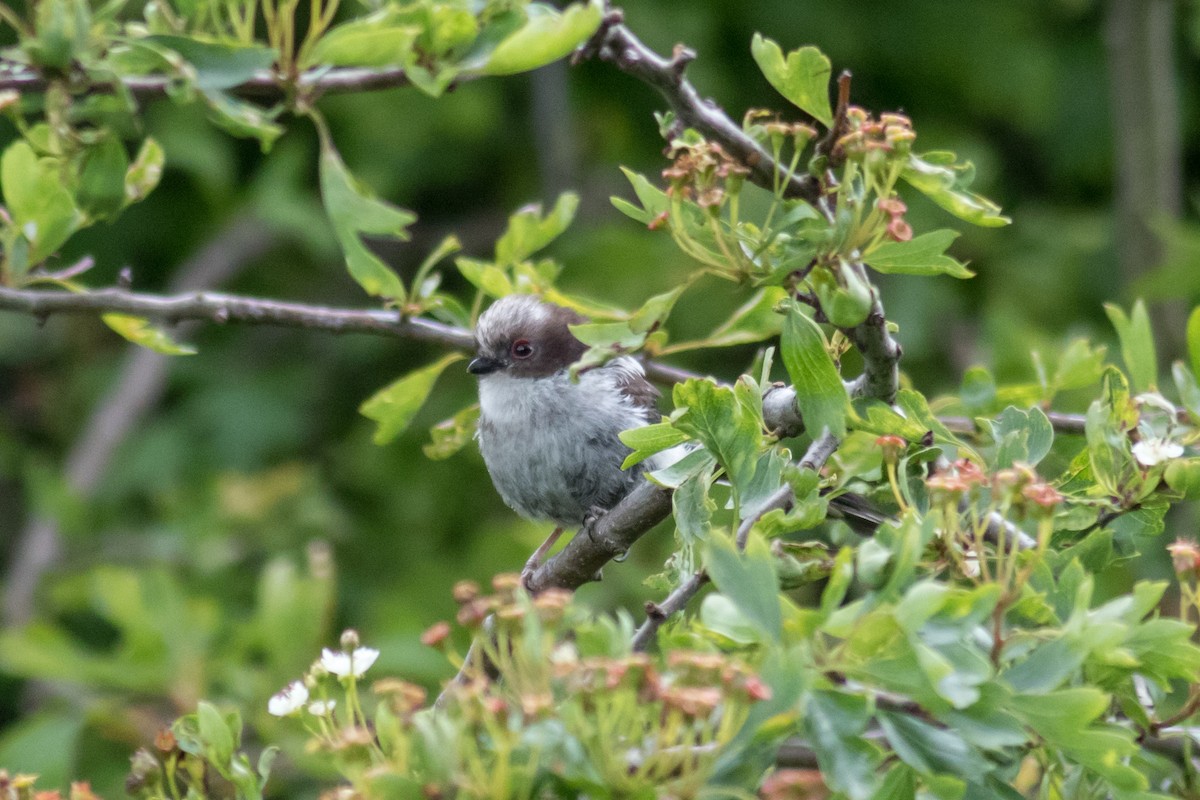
{"x":630,"y":380}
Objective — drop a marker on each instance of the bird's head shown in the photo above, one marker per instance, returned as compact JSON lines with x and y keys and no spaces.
{"x":525,"y":337}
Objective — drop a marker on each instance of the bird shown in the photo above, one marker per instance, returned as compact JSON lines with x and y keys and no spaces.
{"x":550,"y":441}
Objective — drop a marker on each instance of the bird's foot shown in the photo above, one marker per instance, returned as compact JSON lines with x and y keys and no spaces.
{"x":537,"y":558}
{"x":591,"y":519}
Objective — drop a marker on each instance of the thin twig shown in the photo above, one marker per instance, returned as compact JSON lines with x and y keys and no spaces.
{"x":263,"y":85}
{"x":618,"y":45}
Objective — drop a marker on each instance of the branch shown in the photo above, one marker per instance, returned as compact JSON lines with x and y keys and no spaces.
{"x":880,"y":378}
{"x":618,"y":45}
{"x":264,"y":85}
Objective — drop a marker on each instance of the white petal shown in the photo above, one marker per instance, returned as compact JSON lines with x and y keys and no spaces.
{"x":288,"y":700}
{"x":362,"y":658}
{"x":320,"y":708}
{"x":337,"y":663}
{"x":1150,"y":452}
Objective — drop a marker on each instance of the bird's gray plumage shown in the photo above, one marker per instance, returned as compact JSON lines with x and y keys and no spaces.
{"x":551,"y":444}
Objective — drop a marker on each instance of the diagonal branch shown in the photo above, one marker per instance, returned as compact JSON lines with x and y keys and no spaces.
{"x":618,"y":45}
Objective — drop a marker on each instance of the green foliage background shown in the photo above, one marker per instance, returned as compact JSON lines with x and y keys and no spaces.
{"x":176,"y":575}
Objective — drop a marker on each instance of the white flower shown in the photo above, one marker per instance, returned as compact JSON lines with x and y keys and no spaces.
{"x":320,"y":708}
{"x":349,"y":664}
{"x":288,"y":700}
{"x":1149,"y":452}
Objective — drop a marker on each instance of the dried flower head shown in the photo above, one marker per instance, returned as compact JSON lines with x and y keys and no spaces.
{"x":1185,"y":557}
{"x":435,"y":634}
{"x":465,"y":591}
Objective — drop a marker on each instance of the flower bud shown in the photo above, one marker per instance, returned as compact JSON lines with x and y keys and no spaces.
{"x":349,"y":640}
{"x":465,"y":591}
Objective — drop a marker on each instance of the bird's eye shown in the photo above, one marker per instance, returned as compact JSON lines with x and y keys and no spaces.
{"x":521,"y":348}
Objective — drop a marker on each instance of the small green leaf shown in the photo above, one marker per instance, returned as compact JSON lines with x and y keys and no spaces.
{"x":215,"y":736}
{"x":139,"y":331}
{"x":368,"y":42}
{"x":945,"y":184}
{"x":1193,"y":339}
{"x":803,"y":78}
{"x":355,"y":211}
{"x":820,"y":393}
{"x":1137,"y":344}
{"x":451,"y":435}
{"x":1183,"y":475}
{"x":218,"y":66}
{"x":243,"y":119}
{"x":145,"y":172}
{"x":655,"y":311}
{"x":834,"y":722}
{"x":654,"y":200}
{"x":528,"y":231}
{"x":42,"y":210}
{"x":1021,"y":435}
{"x":755,"y":321}
{"x":101,"y":191}
{"x":1079,"y":365}
{"x":650,"y":439}
{"x":923,"y":255}
{"x":748,"y":579}
{"x":712,"y":415}
{"x":394,"y":406}
{"x":546,"y":36}
{"x":721,"y":616}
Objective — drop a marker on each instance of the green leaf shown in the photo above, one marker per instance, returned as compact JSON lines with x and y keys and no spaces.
{"x":528,"y":231}
{"x":451,"y":435}
{"x":243,"y":119}
{"x":945,"y":184}
{"x":394,"y":406}
{"x":1137,"y":344}
{"x":654,"y":200}
{"x":755,"y":321}
{"x":712,"y":415}
{"x":1020,"y":435}
{"x":719,"y":614}
{"x":654,"y":312}
{"x":368,"y":42}
{"x":1079,"y":365}
{"x":1193,"y":339}
{"x":218,"y":66}
{"x":546,"y":36}
{"x":215,"y":736}
{"x":101,"y":190}
{"x":803,"y":78}
{"x":141,"y":332}
{"x":1183,"y":475}
{"x":820,"y":393}
{"x":835,"y":722}
{"x":355,"y":211}
{"x":923,"y":255}
{"x":748,"y":579}
{"x":931,"y":750}
{"x":650,"y":439}
{"x":42,"y":210}
{"x":145,"y":172}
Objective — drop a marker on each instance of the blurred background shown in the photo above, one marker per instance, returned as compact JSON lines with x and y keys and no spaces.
{"x":200,"y":526}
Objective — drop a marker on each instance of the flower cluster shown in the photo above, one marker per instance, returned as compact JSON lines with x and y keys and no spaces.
{"x":23,"y":787}
{"x":869,"y":138}
{"x":703,"y":171}
{"x":312,"y":693}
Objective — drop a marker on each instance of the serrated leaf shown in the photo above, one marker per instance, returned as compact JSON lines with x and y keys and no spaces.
{"x":355,"y":211}
{"x":654,"y":200}
{"x":820,"y":394}
{"x":394,"y":406}
{"x":748,"y":579}
{"x":834,"y":723}
{"x":546,"y":36}
{"x":712,"y":415}
{"x":922,"y":255}
{"x":451,"y":435}
{"x":140,"y":331}
{"x":1137,"y":344}
{"x":803,"y":78}
{"x":945,"y":185}
{"x":529,"y":231}
{"x":1020,"y":435}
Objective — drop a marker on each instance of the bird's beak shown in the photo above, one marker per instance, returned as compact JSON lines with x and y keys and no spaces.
{"x":483,"y":365}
